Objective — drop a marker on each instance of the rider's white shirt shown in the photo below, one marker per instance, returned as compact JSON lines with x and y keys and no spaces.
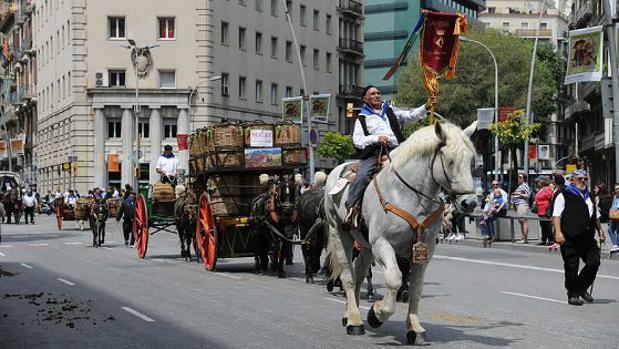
{"x":168,"y":165}
{"x":71,"y":200}
{"x":378,"y":126}
{"x":29,"y":201}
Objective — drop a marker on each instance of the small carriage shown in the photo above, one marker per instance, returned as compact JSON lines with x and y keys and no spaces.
{"x":11,"y":187}
{"x":157,"y":215}
{"x":63,"y":211}
{"x":226,"y":161}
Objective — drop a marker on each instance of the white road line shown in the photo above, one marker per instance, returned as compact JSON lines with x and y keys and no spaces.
{"x":5,"y":246}
{"x":229,"y":276}
{"x":27,"y":265}
{"x":74,"y":243}
{"x":65,"y":281}
{"x":344,"y":302}
{"x":138,"y":314}
{"x":111,"y":242}
{"x":108,"y":248}
{"x":295,"y":279}
{"x":510,"y":265}
{"x":2,"y":254}
{"x":534,"y":297}
{"x":158,"y":260}
{"x":34,"y":245}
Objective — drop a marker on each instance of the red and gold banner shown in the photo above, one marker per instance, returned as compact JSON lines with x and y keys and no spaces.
{"x":439,"y":49}
{"x":181,"y":140}
{"x":112,"y":163}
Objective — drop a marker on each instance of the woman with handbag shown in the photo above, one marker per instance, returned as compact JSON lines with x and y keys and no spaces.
{"x":613,"y":214}
{"x":543,"y":197}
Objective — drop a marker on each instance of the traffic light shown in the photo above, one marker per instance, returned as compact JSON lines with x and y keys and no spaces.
{"x":74,"y":168}
{"x":349,"y":110}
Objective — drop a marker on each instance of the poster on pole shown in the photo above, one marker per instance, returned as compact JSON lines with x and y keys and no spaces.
{"x":292,"y":109}
{"x":320,"y":107}
{"x":585,"y":55}
{"x":543,"y":152}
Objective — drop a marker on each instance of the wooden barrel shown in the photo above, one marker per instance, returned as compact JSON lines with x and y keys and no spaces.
{"x":262,"y":130}
{"x":224,"y":192}
{"x":229,"y":136}
{"x":294,"y":156}
{"x":113,"y":206}
{"x":287,"y":134}
{"x":82,"y":208}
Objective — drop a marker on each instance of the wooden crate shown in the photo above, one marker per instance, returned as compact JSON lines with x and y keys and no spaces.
{"x":229,"y":136}
{"x":296,"y":156}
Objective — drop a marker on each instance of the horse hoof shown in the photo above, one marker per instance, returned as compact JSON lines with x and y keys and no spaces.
{"x":414,"y":338}
{"x":404,"y":296}
{"x":371,"y":298}
{"x":330,"y":286}
{"x":309,"y":280}
{"x":281,"y":275}
{"x":344,"y":321}
{"x":373,"y":320}
{"x":355,"y":330}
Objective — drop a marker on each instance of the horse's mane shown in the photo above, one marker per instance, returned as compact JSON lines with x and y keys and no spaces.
{"x":424,"y":141}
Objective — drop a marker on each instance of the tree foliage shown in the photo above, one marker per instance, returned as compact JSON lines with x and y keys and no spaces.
{"x":336,"y":146}
{"x":474,"y":85}
{"x":514,"y":130}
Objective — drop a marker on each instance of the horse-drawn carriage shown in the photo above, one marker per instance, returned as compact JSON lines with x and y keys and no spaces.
{"x":11,"y":186}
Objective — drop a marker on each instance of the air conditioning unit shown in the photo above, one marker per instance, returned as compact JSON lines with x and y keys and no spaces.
{"x":101,"y":80}
{"x":225,"y":90}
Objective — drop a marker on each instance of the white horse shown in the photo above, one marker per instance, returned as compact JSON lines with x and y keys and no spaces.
{"x":433,"y":158}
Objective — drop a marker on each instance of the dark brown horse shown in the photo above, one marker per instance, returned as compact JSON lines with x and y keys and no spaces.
{"x":12,"y":205}
{"x":186,"y":217}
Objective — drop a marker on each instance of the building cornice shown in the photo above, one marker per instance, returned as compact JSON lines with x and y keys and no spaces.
{"x":125,"y":97}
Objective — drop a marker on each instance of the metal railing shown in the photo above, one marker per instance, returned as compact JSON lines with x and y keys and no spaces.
{"x":350,"y":90}
{"x":543,"y":33}
{"x":351,"y":45}
{"x":351,"y":6}
{"x":511,"y":218}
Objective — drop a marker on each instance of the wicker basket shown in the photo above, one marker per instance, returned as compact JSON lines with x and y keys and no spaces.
{"x":229,"y":136}
{"x":208,"y":138}
{"x":257,"y":126}
{"x":224,"y":192}
{"x":200,"y":163}
{"x":294,"y":156}
{"x":230,"y":159}
{"x":113,"y":206}
{"x":163,"y":192}
{"x":287,"y":134}
{"x":82,"y":208}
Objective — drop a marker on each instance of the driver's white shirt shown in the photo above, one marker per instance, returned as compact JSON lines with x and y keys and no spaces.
{"x":168,"y":165}
{"x":71,"y":199}
{"x":378,"y":126}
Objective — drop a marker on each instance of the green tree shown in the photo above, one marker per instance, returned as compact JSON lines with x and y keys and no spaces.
{"x":474,"y":85}
{"x":512,"y":133}
{"x":336,"y":146}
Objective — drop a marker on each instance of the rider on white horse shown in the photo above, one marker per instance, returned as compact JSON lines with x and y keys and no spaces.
{"x":377,"y":124}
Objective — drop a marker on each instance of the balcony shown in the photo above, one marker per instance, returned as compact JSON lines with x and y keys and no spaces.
{"x":23,"y":93}
{"x":350,"y":90}
{"x":530,"y":33}
{"x":351,"y":7}
{"x":350,"y":45}
{"x":584,"y":13}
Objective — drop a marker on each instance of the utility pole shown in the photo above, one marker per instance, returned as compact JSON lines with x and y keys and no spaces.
{"x":614,"y":79}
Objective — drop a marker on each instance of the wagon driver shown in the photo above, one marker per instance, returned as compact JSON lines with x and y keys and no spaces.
{"x":167,"y":166}
{"x":377,"y":124}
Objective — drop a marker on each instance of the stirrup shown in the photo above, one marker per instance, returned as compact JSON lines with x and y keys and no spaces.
{"x":352,"y":216}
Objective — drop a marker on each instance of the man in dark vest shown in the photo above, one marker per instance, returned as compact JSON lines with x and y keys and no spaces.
{"x":377,"y":124}
{"x":575,"y":219}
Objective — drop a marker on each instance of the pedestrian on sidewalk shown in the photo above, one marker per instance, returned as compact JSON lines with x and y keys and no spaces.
{"x":490,"y":214}
{"x":497,"y":185}
{"x":30,"y":204}
{"x":520,"y":199}
{"x":575,"y":219}
{"x":126,"y":212}
{"x":543,"y":198}
{"x":614,"y":222}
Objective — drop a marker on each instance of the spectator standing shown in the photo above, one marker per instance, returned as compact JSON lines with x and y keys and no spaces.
{"x":127,"y":210}
{"x":614,"y":222}
{"x":495,"y":203}
{"x":543,"y":198}
{"x":30,"y":204}
{"x":520,"y":199}
{"x":575,"y":219}
{"x":602,"y":201}
{"x":497,"y":185}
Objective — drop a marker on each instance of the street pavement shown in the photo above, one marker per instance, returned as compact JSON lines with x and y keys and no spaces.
{"x":57,"y":291}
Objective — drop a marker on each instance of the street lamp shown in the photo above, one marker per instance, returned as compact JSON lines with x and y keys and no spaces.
{"x":190,"y":99}
{"x":497,"y":153}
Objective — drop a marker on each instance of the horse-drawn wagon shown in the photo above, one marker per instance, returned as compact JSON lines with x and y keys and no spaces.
{"x":244,"y":177}
{"x":154,"y":208}
{"x":11,"y":187}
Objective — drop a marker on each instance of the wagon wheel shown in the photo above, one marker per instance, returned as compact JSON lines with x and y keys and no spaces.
{"x":206,"y":234}
{"x":58,"y":210}
{"x":140,"y":226}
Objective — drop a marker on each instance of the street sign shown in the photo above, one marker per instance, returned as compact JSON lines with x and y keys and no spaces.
{"x":313,"y":136}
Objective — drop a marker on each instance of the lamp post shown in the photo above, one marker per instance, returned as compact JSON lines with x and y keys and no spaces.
{"x":190,"y":99}
{"x":305,"y":98}
{"x":497,"y":154}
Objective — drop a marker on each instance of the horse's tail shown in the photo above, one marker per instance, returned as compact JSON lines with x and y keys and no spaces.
{"x":333,"y":262}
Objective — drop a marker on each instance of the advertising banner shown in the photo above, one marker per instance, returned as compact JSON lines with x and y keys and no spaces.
{"x":181,"y":140}
{"x":543,"y":152}
{"x":263,"y":157}
{"x":259,"y":138}
{"x":113,"y":164}
{"x":585,"y":55}
{"x":320,"y":107}
{"x":292,"y":109}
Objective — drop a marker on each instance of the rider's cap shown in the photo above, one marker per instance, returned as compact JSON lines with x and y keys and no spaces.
{"x":580,"y":173}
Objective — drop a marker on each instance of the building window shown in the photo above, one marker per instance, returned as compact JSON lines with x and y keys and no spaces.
{"x":302,"y":18}
{"x":273,"y":47}
{"x":303,"y":55}
{"x":274,"y":97}
{"x":259,"y":91}
{"x":242,"y":87}
{"x":166,"y":28}
{"x":169,"y":128}
{"x":328,"y":62}
{"x":543,"y":26}
{"x":315,"y":59}
{"x":224,"y":33}
{"x":115,"y":78}
{"x":225,"y":84}
{"x":289,"y":51}
{"x":289,"y":6}
{"x":167,"y":79}
{"x":328,"y":24}
{"x":524,"y":25}
{"x":117,"y":28}
{"x":274,"y":8}
{"x":144,"y":128}
{"x":259,"y":43}
{"x":316,"y":20}
{"x":242,"y":38}
{"x":114,"y":130}
{"x":505,"y":27}
{"x":259,"y":5}
{"x":491,"y":9}
{"x":288,"y":91}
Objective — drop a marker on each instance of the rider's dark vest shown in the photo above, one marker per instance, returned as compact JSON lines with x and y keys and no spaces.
{"x":575,"y":219}
{"x":374,"y":149}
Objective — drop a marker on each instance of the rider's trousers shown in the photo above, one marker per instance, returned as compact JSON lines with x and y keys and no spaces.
{"x":361,"y":181}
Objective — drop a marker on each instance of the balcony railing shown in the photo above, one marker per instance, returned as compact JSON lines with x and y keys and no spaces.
{"x":23,"y":93}
{"x":26,"y":44}
{"x":352,"y":7}
{"x":351,"y":45}
{"x":543,"y":33}
{"x":351,"y":90}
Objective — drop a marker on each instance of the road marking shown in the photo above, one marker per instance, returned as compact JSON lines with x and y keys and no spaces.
{"x":296,"y":279}
{"x":138,"y":314}
{"x":229,"y":276}
{"x":2,"y":254}
{"x":34,"y":245}
{"x":534,"y":297}
{"x":5,"y":246}
{"x":158,"y":260}
{"x":74,"y":243}
{"x":27,"y":266}
{"x":510,"y":265}
{"x":108,"y":248}
{"x":65,"y":281}
{"x":111,"y":242}
{"x":344,"y":302}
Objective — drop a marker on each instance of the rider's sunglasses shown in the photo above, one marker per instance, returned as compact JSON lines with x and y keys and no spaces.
{"x":582,"y":179}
